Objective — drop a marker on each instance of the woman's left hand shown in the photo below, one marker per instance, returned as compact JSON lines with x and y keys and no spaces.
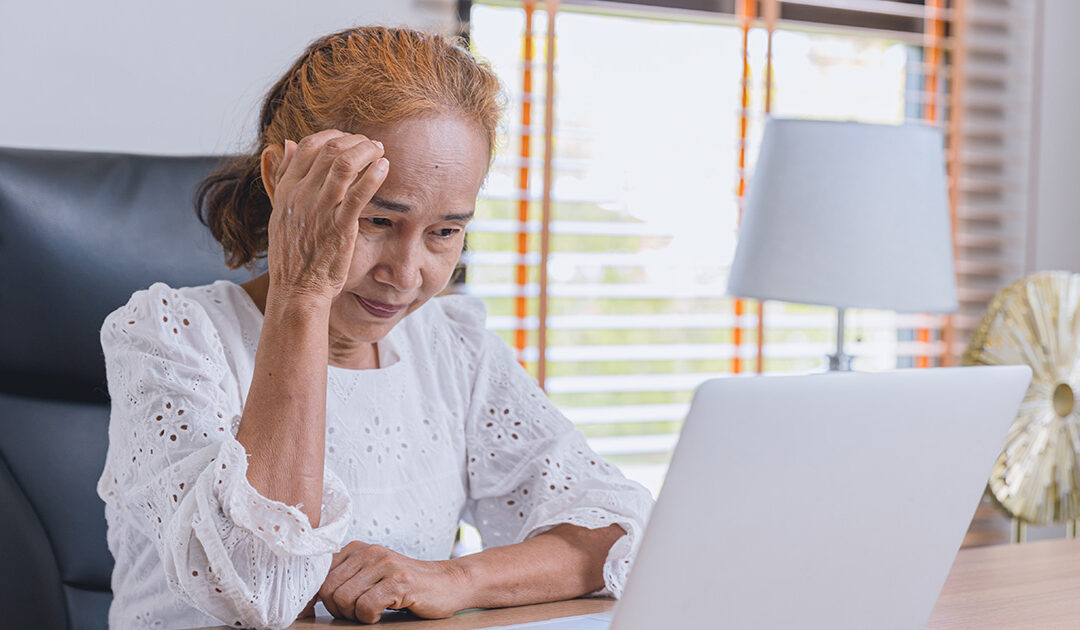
{"x":364,"y":580}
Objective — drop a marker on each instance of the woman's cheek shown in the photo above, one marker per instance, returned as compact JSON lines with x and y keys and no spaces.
{"x":368,"y":233}
{"x":365,"y":254}
{"x":447,"y":262}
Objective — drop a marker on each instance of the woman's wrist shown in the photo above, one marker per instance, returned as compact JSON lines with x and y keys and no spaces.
{"x":493,"y":578}
{"x":292,"y":304}
{"x":562,"y":563}
{"x":467,"y":592}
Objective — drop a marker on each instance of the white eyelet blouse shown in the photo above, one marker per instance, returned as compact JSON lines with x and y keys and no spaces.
{"x":450,"y":428}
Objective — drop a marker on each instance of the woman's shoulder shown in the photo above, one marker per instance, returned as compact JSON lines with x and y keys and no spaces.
{"x":195,"y":315}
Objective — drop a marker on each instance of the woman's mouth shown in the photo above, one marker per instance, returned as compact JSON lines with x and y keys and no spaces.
{"x":379,"y":309}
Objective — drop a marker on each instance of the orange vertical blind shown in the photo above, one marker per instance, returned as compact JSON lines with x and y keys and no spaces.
{"x":953,"y":146}
{"x":746,"y":12}
{"x":521,"y":269}
{"x":932,"y":56}
{"x":552,"y":7}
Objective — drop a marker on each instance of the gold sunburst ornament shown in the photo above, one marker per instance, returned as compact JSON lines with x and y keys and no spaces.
{"x":1036,"y":322}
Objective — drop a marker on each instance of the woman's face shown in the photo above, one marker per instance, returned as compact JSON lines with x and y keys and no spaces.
{"x":412,"y":233}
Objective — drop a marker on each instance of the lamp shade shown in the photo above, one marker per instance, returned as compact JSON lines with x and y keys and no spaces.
{"x":848,"y":214}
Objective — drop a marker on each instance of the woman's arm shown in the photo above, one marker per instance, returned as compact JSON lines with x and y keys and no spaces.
{"x":564,"y":562}
{"x":283,"y":426}
{"x":175,"y":481}
{"x":221,"y":512}
{"x":318,"y":189}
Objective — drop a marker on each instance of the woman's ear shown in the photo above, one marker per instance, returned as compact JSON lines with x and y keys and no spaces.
{"x":270,"y":162}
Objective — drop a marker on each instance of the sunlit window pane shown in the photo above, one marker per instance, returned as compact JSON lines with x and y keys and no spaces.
{"x":645,"y":211}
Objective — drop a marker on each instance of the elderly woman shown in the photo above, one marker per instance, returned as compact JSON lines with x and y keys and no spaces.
{"x":319,"y":432}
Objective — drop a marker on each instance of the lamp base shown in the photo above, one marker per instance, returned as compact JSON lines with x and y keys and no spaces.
{"x":839,"y":362}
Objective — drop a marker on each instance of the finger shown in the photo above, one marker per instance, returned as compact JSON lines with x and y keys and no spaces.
{"x":281,"y":163}
{"x":328,"y":162}
{"x":340,"y":573}
{"x":338,"y":558}
{"x":365,"y":566}
{"x":353,"y":548}
{"x":346,"y":566}
{"x":334,"y":580}
{"x":345,"y":170}
{"x":326,"y":596}
{"x":288,"y":150}
{"x":370,"y":605}
{"x":306,"y":152}
{"x":361,"y":191}
{"x":331,"y":607}
{"x":344,"y":596}
{"x":287,"y":156}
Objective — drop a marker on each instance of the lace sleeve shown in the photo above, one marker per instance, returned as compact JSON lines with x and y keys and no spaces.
{"x":530,"y":469}
{"x":176,"y":475}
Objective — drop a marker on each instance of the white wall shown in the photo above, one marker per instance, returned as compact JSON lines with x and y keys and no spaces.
{"x":147,"y":76}
{"x":1054,"y":237}
{"x":1055,"y":240}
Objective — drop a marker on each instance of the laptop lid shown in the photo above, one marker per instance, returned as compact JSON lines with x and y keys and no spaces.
{"x":819,"y":501}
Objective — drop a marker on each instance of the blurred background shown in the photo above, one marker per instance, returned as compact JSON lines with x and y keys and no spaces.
{"x":634,"y":163}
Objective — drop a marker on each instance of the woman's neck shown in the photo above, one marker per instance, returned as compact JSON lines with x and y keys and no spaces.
{"x":257,"y":288}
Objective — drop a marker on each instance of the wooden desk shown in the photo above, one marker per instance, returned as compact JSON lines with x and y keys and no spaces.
{"x":1034,"y":585}
{"x":1030,"y":586}
{"x":468,"y":620}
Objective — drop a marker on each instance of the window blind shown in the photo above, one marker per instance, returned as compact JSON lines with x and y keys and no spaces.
{"x":993,"y":103}
{"x":657,"y":115}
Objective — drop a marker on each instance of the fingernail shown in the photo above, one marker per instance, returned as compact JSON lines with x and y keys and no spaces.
{"x":377,"y":143}
{"x":383,"y":163}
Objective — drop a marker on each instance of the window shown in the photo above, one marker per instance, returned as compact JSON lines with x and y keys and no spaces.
{"x":645,"y":180}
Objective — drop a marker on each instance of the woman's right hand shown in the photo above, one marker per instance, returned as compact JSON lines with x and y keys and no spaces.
{"x":320,"y":188}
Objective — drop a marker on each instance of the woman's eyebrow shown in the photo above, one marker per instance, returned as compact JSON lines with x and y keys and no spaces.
{"x":464,"y":216}
{"x":394,"y":206}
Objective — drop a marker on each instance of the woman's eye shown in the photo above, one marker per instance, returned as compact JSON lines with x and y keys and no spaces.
{"x":380,"y":221}
{"x":445,"y":232}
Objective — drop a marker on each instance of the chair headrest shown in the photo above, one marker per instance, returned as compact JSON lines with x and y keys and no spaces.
{"x":79,"y":233}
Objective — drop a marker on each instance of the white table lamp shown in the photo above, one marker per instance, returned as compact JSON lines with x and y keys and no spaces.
{"x":850,"y":215}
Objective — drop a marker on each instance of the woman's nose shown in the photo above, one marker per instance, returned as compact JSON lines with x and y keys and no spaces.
{"x":400,"y":265}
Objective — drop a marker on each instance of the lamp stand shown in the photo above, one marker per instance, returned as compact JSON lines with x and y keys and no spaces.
{"x":839,"y":362}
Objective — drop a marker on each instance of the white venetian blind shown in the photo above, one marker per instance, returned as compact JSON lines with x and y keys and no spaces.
{"x":994,"y":126}
{"x":649,"y":119}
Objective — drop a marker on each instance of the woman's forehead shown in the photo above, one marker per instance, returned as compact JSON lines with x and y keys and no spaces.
{"x":439,"y":161}
{"x":438,"y":141}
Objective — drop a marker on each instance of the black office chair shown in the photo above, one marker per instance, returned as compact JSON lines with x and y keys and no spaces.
{"x":79,"y":233}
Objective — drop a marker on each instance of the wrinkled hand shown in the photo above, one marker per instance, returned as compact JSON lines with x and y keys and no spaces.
{"x":366,"y":579}
{"x":319,"y":189}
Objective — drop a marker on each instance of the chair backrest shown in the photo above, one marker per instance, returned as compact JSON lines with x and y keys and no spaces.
{"x":79,"y":233}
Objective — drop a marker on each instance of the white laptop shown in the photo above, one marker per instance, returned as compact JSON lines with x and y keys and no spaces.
{"x":818,"y":501}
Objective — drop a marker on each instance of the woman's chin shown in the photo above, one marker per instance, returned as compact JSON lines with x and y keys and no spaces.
{"x":350,"y":316}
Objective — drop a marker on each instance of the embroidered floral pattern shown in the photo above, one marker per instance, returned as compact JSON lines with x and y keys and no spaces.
{"x":451,"y":427}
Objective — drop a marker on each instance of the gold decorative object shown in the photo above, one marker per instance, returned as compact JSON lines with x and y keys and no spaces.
{"x":1036,"y":322}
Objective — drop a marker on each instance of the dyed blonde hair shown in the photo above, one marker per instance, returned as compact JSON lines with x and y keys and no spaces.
{"x":348,"y":80}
